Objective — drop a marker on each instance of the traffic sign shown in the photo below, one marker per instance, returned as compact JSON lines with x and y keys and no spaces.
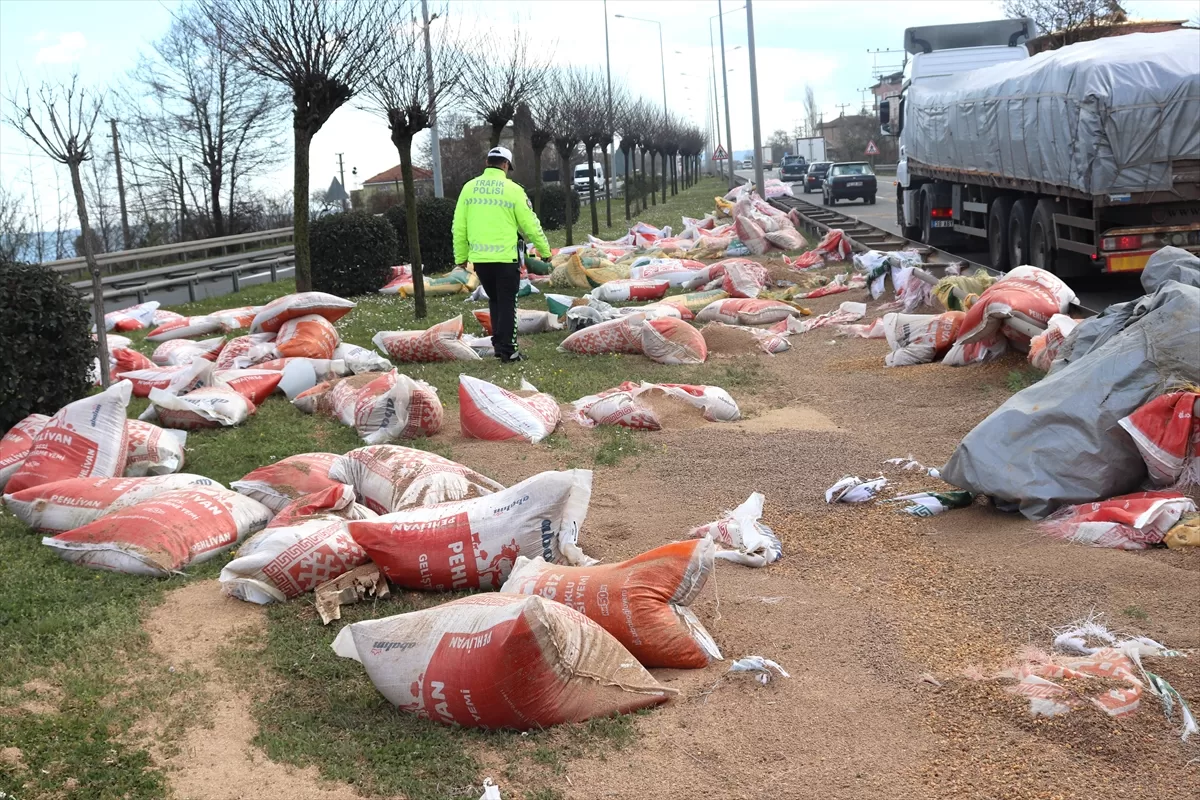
{"x":719,"y":154}
{"x":872,"y":150}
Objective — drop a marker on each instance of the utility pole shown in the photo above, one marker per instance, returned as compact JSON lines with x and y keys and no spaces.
{"x":725,"y":84}
{"x":120,"y":185}
{"x":611,"y":136}
{"x":434,"y":142}
{"x":716,"y":117}
{"x":843,"y":107}
{"x":182,"y":204}
{"x":758,"y":165}
{"x":342,"y":178}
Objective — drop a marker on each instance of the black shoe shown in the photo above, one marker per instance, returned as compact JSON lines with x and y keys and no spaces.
{"x":514,"y":358}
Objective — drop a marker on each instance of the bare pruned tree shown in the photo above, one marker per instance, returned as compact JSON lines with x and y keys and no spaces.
{"x":812,"y":114}
{"x":15,"y":236}
{"x":323,"y":53}
{"x":636,"y":124}
{"x":401,"y":94}
{"x":58,"y":120}
{"x":1064,"y":20}
{"x":620,"y":97}
{"x":541,"y":134}
{"x":591,"y":121}
{"x":193,"y":96}
{"x":565,"y":113}
{"x":503,"y":71}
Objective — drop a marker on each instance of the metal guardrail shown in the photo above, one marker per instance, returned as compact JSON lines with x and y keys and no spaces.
{"x":183,"y":269}
{"x":193,"y":280}
{"x":160,"y":252}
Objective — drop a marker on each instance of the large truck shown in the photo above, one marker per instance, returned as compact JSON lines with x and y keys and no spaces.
{"x":1079,"y":160}
{"x":768,"y":157}
{"x":810,"y":148}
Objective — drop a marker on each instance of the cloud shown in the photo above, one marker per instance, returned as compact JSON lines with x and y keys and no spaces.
{"x":67,"y":49}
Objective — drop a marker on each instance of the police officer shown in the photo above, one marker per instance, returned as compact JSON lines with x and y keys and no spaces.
{"x":491,"y":211}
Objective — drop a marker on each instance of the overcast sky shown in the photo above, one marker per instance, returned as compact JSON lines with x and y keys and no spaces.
{"x":824,"y":43}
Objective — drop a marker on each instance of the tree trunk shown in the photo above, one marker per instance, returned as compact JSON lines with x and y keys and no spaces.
{"x":663,"y":159}
{"x":537,"y":181}
{"x":496,"y":135}
{"x":644,"y":181}
{"x":607,"y":190}
{"x":592,"y":190}
{"x":563,"y":161}
{"x":628,"y":183}
{"x":653,"y":180}
{"x":89,"y":255}
{"x":232,"y":180}
{"x":300,"y":212}
{"x":218,"y":219}
{"x":414,"y":234}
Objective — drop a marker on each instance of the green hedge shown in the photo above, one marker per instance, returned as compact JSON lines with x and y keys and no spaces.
{"x":46,"y":330}
{"x":351,"y":253}
{"x":435,"y":220}
{"x":553,"y":210}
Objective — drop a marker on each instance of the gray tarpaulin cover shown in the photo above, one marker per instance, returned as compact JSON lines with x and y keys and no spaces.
{"x":1102,"y":117}
{"x":1058,"y":442}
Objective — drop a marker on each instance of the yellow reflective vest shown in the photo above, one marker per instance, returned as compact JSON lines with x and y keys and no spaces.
{"x":491,"y":210}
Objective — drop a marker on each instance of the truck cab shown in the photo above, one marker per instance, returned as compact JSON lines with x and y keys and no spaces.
{"x":585,"y":177}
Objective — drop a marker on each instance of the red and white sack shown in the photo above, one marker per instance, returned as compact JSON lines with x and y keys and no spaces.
{"x":84,"y":439}
{"x":401,"y":274}
{"x":132,"y":318}
{"x":472,"y":544}
{"x":1167,"y":434}
{"x":745,"y":540}
{"x":529,"y":321}
{"x":623,"y":335}
{"x":359,"y":359}
{"x":651,"y":617}
{"x":256,"y":385}
{"x":747,"y":311}
{"x":152,"y":450}
{"x":297,"y":552}
{"x":1043,"y":349}
{"x":751,"y":234}
{"x":75,"y":502}
{"x":162,"y":316}
{"x":235,"y":319}
{"x":715,"y":403}
{"x":388,"y":477}
{"x":919,"y":338}
{"x":1026,"y":291}
{"x":164,"y":534}
{"x":744,"y":278}
{"x":441,"y":342}
{"x":184,"y":328}
{"x":1129,"y":522}
{"x":487,"y":411}
{"x":616,"y":406}
{"x":785,"y":237}
{"x":270,"y":318}
{"x":676,"y":272}
{"x":125,"y":359}
{"x":279,"y":484}
{"x":770,"y":341}
{"x":245,"y":351}
{"x":834,"y":246}
{"x":322,"y":369}
{"x":207,"y":407}
{"x":184,"y":351}
{"x":963,"y":354}
{"x":390,"y":406}
{"x":499,"y":661}
{"x":17,"y":443}
{"x":673,"y":341}
{"x":620,"y":291}
{"x":179,"y":379}
{"x":310,"y":336}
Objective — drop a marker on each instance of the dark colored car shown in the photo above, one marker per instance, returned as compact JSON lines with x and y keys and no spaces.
{"x":792,"y":168}
{"x":849,"y":180}
{"x":815,"y":177}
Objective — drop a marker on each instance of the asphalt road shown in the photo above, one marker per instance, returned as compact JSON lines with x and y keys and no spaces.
{"x":1095,"y":292}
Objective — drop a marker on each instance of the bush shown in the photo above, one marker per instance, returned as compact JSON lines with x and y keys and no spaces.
{"x":351,"y":253}
{"x":46,"y":330}
{"x":435,"y":220}
{"x":553,"y":210}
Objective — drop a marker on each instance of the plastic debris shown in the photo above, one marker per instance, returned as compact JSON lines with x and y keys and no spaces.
{"x":851,"y":489}
{"x":764,"y":670}
{"x":349,"y":588}
{"x":490,"y":790}
{"x":747,"y":540}
{"x":928,"y":504}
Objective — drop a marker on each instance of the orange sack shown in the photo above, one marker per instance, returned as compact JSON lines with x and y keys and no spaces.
{"x":643,"y":602}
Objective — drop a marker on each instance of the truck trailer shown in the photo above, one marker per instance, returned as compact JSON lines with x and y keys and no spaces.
{"x":1080,"y":160}
{"x":812,"y":148}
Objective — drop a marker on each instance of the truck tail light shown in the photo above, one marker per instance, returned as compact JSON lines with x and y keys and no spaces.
{"x":1131,"y":242}
{"x":940,"y":213}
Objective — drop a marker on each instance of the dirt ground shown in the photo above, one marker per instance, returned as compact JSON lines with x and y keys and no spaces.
{"x":875,"y":614}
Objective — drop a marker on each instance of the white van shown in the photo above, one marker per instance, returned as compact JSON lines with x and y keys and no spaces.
{"x":584,"y":176}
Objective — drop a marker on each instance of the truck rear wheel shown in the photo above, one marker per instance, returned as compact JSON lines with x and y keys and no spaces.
{"x":1018,"y":232}
{"x":997,"y":232}
{"x":1043,"y":241}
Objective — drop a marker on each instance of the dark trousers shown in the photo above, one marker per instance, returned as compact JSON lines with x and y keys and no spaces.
{"x":501,"y":282}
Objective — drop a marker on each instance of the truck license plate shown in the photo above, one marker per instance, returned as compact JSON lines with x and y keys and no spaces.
{"x":854,"y":183}
{"x":941,"y":223}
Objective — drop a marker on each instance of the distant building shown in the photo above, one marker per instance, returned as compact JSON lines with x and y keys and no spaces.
{"x":1052,"y":41}
{"x":887,"y":86}
{"x":387,"y":188}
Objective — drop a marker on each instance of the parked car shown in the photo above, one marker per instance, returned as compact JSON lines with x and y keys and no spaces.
{"x":584,"y":177}
{"x":747,"y":164}
{"x":815,"y":177}
{"x":848,"y":180}
{"x":792,"y":168}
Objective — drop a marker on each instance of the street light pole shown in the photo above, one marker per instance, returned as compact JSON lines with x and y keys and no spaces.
{"x":611,"y":135}
{"x":434,"y":146}
{"x":758,"y":166}
{"x":725,"y":83}
{"x":662,"y":60}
